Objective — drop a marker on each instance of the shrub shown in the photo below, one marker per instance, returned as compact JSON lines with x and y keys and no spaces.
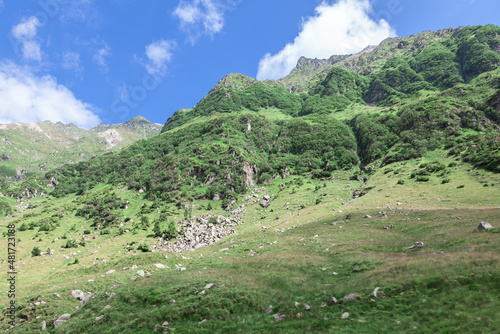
{"x":445,"y":181}
{"x":36,"y":251}
{"x":143,"y":248}
{"x":401,"y":181}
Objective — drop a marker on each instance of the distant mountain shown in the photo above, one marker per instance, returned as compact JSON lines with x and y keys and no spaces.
{"x":37,"y":147}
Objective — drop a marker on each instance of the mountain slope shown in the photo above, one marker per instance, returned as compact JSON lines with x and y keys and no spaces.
{"x":35,"y":148}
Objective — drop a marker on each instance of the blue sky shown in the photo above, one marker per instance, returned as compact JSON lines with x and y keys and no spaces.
{"x":90,"y":61}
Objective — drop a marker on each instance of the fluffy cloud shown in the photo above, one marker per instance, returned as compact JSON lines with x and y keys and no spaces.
{"x":25,"y":35}
{"x":200,"y":17}
{"x":344,"y":27}
{"x":27,"y":97}
{"x":158,"y":55}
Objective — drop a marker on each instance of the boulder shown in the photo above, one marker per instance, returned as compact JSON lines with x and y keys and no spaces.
{"x":416,"y":245}
{"x":264,"y":203}
{"x":484,"y":226}
{"x":62,"y":320}
{"x":159,"y":266}
{"x":140,"y":273}
{"x":352,"y":298}
{"x":78,"y":294}
{"x":85,"y":300}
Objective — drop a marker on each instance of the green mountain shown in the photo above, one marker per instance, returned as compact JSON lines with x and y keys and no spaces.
{"x":358,"y":194}
{"x":35,"y":148}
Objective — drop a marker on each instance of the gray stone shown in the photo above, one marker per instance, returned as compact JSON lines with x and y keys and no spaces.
{"x":264,"y":204}
{"x":99,"y":317}
{"x":140,"y":273}
{"x":416,"y":245}
{"x":109,"y":272}
{"x":85,"y":300}
{"x":62,"y":320}
{"x":106,"y":307}
{"x":484,"y":226}
{"x":306,"y":305}
{"x":159,"y":266}
{"x":279,"y":316}
{"x":266,"y":197}
{"x":112,"y":295}
{"x":368,"y":216}
{"x":165,"y":324}
{"x":208,"y":286}
{"x":44,"y":325}
{"x":352,"y":298}
{"x":269,"y":309}
{"x":345,"y":315}
{"x":78,"y":294}
{"x":374,"y":293}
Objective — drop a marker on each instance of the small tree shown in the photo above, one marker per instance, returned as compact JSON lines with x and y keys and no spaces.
{"x":36,"y":251}
{"x":171,"y":232}
{"x":157,"y":229}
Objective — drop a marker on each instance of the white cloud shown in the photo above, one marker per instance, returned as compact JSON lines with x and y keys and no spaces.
{"x":27,"y":97}
{"x":25,"y":34}
{"x":100,"y":56}
{"x":71,"y":61}
{"x":1,"y":5}
{"x":158,"y":55}
{"x":344,"y":27}
{"x":200,"y":17}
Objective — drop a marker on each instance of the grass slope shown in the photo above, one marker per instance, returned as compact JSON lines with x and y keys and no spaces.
{"x":311,"y":244}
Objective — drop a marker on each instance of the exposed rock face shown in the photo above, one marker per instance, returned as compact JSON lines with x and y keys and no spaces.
{"x":195,"y":234}
{"x":112,"y":136}
{"x":250,"y":172}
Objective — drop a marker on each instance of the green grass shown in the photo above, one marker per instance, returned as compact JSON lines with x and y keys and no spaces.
{"x":298,"y":252}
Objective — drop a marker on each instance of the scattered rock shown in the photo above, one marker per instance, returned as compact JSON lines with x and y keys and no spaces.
{"x":159,"y":266}
{"x":279,"y":316}
{"x":62,"y":320}
{"x":368,"y":216}
{"x":306,"y":305}
{"x":266,"y":198}
{"x":374,"y":293}
{"x":109,"y":272}
{"x":264,"y":203}
{"x":78,"y":294}
{"x":140,"y":273}
{"x":484,"y":226}
{"x":57,"y":295}
{"x":438,"y":253}
{"x":416,"y":245}
{"x":208,"y":286}
{"x":165,"y":324}
{"x":44,"y":325}
{"x":204,"y":320}
{"x":224,"y":249}
{"x":352,"y":298}
{"x":112,"y":295}
{"x":106,"y":307}
{"x":85,"y":300}
{"x":269,"y":309}
{"x":389,"y":227}
{"x":345,"y":315}
{"x":99,"y":318}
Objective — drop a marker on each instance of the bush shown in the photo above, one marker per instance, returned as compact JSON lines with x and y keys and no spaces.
{"x":143,"y":248}
{"x":36,"y":251}
{"x":445,"y":181}
{"x":401,"y":181}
